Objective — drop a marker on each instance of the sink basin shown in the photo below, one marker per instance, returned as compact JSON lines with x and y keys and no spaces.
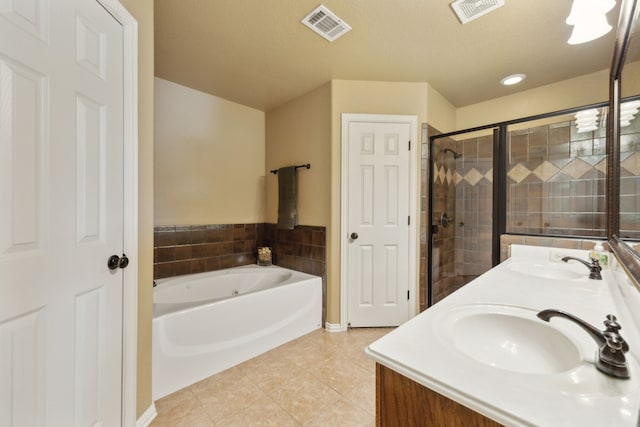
{"x":509,"y":338}
{"x":547,"y":270}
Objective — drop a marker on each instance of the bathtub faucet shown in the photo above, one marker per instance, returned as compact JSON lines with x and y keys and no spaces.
{"x":593,"y":266}
{"x":611,"y":345}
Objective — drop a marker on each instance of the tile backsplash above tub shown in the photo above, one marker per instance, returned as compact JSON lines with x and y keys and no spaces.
{"x":180,"y":250}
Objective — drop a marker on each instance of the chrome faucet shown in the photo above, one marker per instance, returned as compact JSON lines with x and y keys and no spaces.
{"x":593,"y":266}
{"x":611,"y":345}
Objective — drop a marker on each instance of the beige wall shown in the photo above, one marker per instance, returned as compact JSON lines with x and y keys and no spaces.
{"x":354,"y":97}
{"x":366,"y":98}
{"x":296,"y":133}
{"x":209,"y":158}
{"x":631,"y":79}
{"x":441,"y":113}
{"x":308,"y":129}
{"x":583,"y":90}
{"x":142,"y":10}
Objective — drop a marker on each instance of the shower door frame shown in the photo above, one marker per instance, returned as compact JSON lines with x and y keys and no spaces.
{"x":498,"y":204}
{"x":500,"y":166}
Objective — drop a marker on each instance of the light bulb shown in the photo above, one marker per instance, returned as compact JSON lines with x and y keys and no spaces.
{"x":589,"y":20}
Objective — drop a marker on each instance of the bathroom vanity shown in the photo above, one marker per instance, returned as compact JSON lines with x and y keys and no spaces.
{"x":482,"y":356}
{"x":401,"y":401}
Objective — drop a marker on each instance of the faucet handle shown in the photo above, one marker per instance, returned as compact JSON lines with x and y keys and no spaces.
{"x":595,"y":269}
{"x":612,"y":335}
{"x":611,"y":323}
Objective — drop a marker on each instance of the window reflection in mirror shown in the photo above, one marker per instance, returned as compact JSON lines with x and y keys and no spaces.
{"x":629,"y":215}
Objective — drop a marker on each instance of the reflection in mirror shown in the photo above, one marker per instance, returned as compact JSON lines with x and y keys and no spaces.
{"x":629,"y":215}
{"x":629,"y":170}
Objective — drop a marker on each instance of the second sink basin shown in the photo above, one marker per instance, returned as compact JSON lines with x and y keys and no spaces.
{"x":547,"y":270}
{"x":509,"y":338}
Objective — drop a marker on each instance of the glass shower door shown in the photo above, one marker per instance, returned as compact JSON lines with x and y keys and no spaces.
{"x":462,"y":210}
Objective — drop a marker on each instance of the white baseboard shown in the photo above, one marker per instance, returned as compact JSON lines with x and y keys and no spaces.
{"x":333,"y":327}
{"x":148,"y":416}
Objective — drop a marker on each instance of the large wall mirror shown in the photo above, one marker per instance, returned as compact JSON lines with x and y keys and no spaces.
{"x":624,"y":135}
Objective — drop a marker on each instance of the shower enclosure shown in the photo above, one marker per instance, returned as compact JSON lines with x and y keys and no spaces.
{"x":538,"y":176}
{"x":461,"y":219}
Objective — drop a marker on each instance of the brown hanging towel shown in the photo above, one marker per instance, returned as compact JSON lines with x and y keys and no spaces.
{"x":287,"y":198}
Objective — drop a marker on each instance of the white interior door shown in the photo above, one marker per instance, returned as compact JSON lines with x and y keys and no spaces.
{"x":378,"y":275}
{"x":61,"y":213}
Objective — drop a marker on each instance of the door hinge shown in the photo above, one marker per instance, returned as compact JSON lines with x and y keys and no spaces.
{"x":408,"y":294}
{"x":409,"y":145}
{"x":409,"y":220}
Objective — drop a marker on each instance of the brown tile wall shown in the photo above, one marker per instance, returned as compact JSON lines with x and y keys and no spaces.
{"x":474,"y":206}
{"x":445,"y":276}
{"x":462,"y":188}
{"x":302,"y":249}
{"x":444,"y":201}
{"x":180,"y":250}
{"x":556,"y":181}
{"x":427,"y":131}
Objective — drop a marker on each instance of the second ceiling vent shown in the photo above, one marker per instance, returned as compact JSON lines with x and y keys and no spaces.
{"x":468,"y":10}
{"x":326,"y":23}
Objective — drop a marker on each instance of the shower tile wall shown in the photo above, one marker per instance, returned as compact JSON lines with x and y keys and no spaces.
{"x":555,"y":186}
{"x":462,"y":188}
{"x":444,"y":280}
{"x":557,"y":181}
{"x":474,"y":206}
{"x":427,"y":131}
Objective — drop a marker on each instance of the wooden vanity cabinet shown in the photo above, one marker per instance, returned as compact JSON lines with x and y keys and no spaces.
{"x":403,"y":402}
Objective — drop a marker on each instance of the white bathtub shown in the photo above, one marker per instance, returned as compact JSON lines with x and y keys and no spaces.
{"x":205,"y":323}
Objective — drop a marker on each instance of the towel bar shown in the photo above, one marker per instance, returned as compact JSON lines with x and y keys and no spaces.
{"x":306,"y":165}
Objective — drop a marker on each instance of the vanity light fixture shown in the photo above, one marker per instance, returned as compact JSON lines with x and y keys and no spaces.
{"x":589,"y":20}
{"x":513,"y":79}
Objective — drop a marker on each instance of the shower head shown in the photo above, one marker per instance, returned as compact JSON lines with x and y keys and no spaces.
{"x":456,"y":155}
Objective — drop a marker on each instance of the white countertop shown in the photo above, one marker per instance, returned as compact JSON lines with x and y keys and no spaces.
{"x":422,"y":349}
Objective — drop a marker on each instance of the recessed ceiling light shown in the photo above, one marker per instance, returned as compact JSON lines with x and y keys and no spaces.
{"x":513,"y":79}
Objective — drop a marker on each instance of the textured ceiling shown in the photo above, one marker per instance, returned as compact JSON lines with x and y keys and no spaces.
{"x":257,"y":53}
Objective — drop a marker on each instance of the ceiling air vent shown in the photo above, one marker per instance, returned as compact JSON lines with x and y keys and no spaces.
{"x":325,"y":23}
{"x":468,"y":10}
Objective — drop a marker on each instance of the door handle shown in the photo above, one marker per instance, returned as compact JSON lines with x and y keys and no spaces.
{"x":124,"y":261}
{"x":115,"y":261}
{"x":353,"y":236}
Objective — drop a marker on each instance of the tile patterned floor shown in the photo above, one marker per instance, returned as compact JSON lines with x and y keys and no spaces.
{"x":320,"y":379}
